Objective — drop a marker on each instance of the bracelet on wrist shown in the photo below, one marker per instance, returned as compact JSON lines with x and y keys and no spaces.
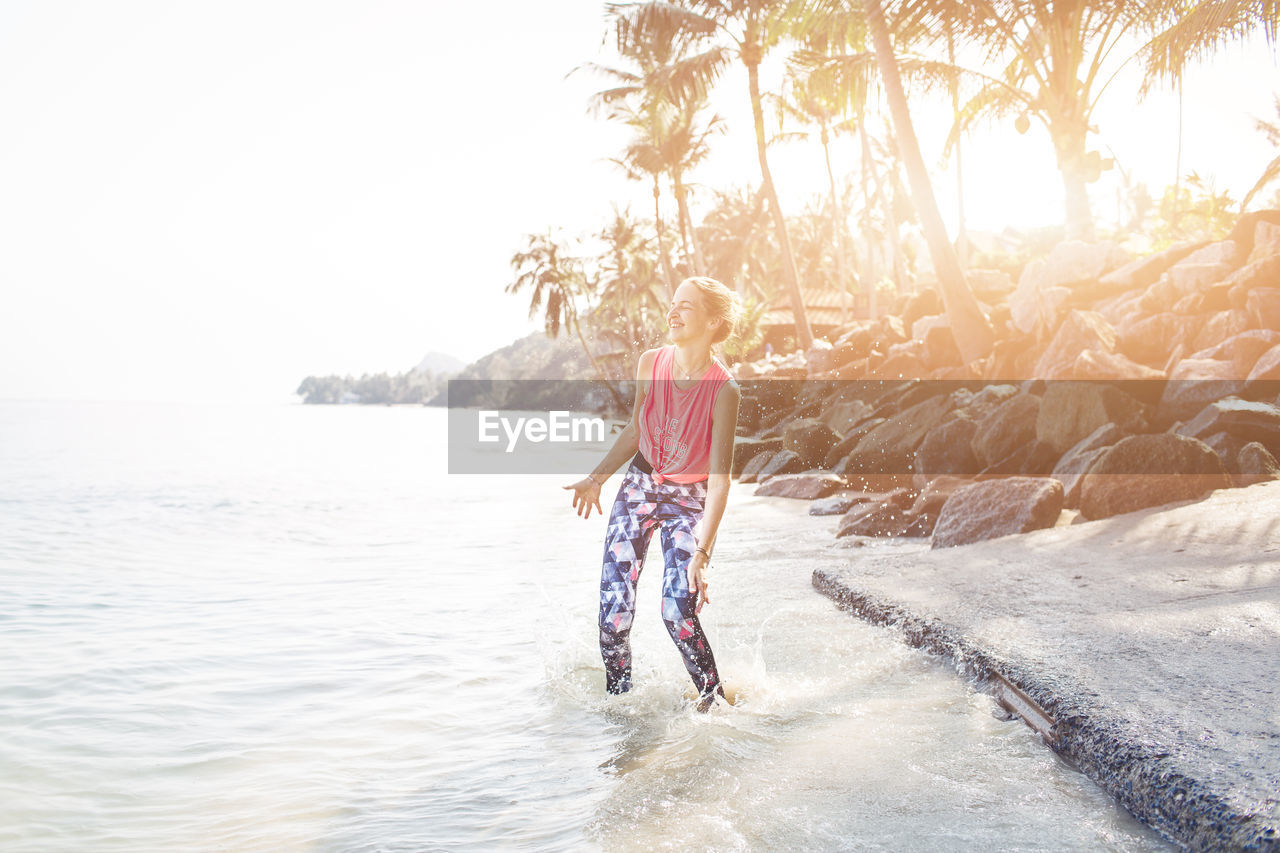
{"x":594,"y":480}
{"x":705,"y":551}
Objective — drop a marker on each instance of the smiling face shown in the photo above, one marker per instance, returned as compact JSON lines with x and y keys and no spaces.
{"x":688,"y":318}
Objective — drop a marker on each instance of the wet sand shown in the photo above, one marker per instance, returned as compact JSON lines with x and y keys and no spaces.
{"x":1145,"y":647}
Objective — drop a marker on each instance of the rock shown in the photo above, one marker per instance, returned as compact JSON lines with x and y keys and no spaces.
{"x":904,"y":365}
{"x":1264,"y":272}
{"x":1242,"y":350}
{"x":989,"y":286}
{"x":1266,"y":241}
{"x":808,"y":486}
{"x":995,"y":508}
{"x":819,"y":358}
{"x":1220,"y":327}
{"x":746,"y":449}
{"x":940,"y":348}
{"x":1263,"y":305}
{"x":946,"y":450}
{"x":1149,"y":340}
{"x":1150,"y":470}
{"x":810,"y":440}
{"x":782,"y":462}
{"x":850,"y":441}
{"x":1046,"y":283}
{"x":844,"y":416}
{"x":1073,"y":464}
{"x":1256,"y":464}
{"x":1188,"y":277}
{"x":1033,"y":460}
{"x":1193,"y":384}
{"x":1142,"y":272}
{"x":1264,"y":375}
{"x":1228,"y":447}
{"x":1245,"y":231}
{"x":919,"y":305}
{"x":1070,"y":411}
{"x":1094,"y":364}
{"x":935,"y":494}
{"x":838,"y":504}
{"x":876,"y":518}
{"x":751,"y":471}
{"x":1080,"y":330}
{"x":1245,"y":419}
{"x":986,"y":401}
{"x":889,"y":447}
{"x":1008,"y":427}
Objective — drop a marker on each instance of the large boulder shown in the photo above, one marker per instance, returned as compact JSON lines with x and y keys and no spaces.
{"x":1193,"y":384}
{"x":843,"y":416}
{"x":887,"y":516}
{"x":1079,"y":331}
{"x":838,"y":503}
{"x":847,"y":444}
{"x":751,"y":471}
{"x":1011,"y":425}
{"x":931,"y":498}
{"x":809,"y":439}
{"x":1072,"y":465}
{"x":809,"y":485}
{"x":782,"y":462}
{"x":1069,"y":411}
{"x":1047,"y":283}
{"x":1242,"y":350}
{"x":946,"y":450}
{"x":1095,"y":364}
{"x":1149,"y":339}
{"x":1220,"y":327}
{"x":746,"y":449}
{"x":1150,"y":470}
{"x":889,"y":448}
{"x":1256,"y":464}
{"x":1035,"y":459}
{"x":995,"y":508}
{"x":1246,"y":419}
{"x":1144,"y":271}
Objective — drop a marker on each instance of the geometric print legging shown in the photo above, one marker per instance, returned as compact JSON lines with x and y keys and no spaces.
{"x":673,"y":508}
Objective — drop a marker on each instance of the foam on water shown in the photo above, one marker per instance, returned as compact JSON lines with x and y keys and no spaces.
{"x":286,"y":628}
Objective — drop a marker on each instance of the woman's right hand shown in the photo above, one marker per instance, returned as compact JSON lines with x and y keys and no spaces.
{"x":586,"y":494}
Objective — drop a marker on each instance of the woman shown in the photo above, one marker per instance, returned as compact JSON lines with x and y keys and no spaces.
{"x":680,"y":442}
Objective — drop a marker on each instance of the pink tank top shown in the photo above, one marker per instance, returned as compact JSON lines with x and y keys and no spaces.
{"x":675,"y":425}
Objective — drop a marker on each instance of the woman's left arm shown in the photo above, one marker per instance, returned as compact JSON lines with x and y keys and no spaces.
{"x":724,"y":423}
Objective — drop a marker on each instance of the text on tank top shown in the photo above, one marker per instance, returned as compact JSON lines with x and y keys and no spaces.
{"x":675,"y":425}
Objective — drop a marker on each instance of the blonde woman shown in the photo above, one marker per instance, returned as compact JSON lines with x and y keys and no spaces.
{"x":680,"y":443}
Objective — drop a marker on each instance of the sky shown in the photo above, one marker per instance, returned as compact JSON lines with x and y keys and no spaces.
{"x":210,"y":201}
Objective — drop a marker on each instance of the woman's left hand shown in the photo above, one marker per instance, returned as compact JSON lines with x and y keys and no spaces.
{"x":698,"y":571}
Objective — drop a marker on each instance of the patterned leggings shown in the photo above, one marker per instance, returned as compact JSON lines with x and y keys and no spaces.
{"x":641,"y":506}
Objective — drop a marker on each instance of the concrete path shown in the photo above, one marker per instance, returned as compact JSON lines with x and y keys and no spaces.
{"x":1146,"y":647}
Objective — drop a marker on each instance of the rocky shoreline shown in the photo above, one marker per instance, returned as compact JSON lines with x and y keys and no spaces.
{"x":1165,"y":388}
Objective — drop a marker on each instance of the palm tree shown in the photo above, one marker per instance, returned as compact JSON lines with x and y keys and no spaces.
{"x":1056,"y":56}
{"x":1272,"y":131}
{"x":969,"y":327}
{"x":751,"y":28}
{"x":671,"y":137}
{"x":555,"y":279}
{"x":809,"y":97}
{"x":629,"y":311}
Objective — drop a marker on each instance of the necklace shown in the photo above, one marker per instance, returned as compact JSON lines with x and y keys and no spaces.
{"x":688,"y":374}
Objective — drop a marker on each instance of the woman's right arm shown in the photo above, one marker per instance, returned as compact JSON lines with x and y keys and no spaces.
{"x":586,"y":492}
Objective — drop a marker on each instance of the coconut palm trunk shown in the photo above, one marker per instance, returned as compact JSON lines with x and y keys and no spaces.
{"x":662,"y":248}
{"x":751,"y":55}
{"x":687,"y":237}
{"x":969,"y":327}
{"x":837,"y":215}
{"x":1069,"y":144}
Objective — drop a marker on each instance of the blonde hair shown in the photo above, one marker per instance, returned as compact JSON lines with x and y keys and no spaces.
{"x":721,"y":302}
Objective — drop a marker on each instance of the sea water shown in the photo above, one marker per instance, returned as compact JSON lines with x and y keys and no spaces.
{"x":257,"y":627}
